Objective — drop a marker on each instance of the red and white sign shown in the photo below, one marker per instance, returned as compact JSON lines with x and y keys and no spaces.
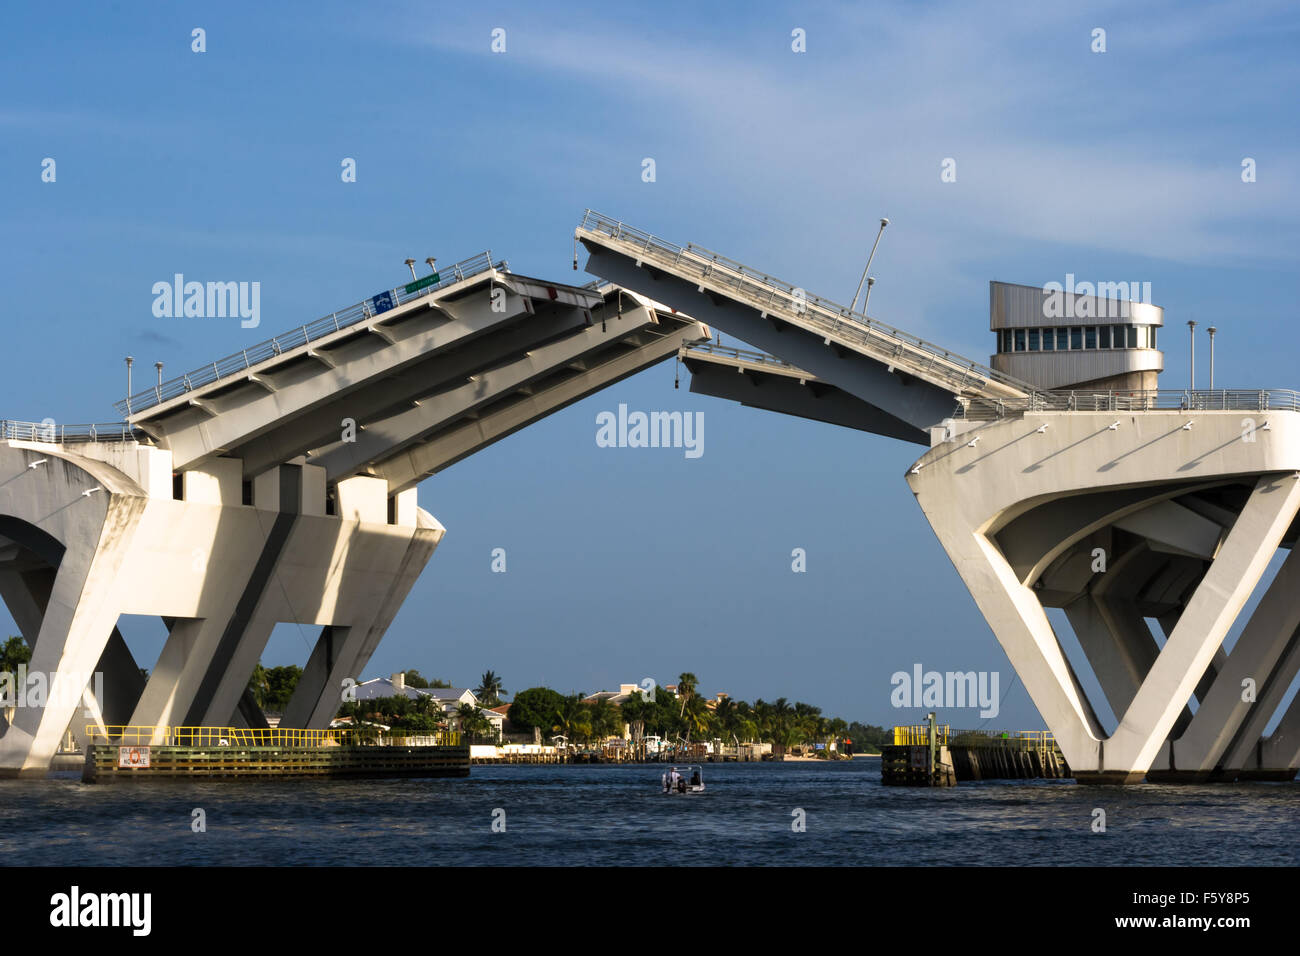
{"x":133,"y":757}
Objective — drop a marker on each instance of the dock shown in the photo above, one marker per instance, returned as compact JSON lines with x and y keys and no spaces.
{"x":932,"y":755}
{"x":118,"y":754}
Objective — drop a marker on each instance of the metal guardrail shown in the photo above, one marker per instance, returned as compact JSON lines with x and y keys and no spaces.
{"x":891,"y":344}
{"x":244,"y":359}
{"x":60,"y":434}
{"x":1164,"y":399}
{"x":744,"y":355}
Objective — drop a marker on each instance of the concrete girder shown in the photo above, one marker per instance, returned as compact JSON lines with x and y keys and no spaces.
{"x":1081,"y":453}
{"x":791,"y":396}
{"x":390,"y":436}
{"x":510,"y":413}
{"x":244,"y":412}
{"x":1171,"y":527}
{"x":917,"y":403}
{"x":1034,"y":538}
{"x":322,"y":425}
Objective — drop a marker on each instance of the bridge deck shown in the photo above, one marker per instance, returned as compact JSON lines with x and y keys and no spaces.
{"x":779,"y":300}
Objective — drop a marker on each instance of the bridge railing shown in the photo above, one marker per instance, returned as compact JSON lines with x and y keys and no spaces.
{"x":744,"y":355}
{"x":1164,"y":399}
{"x":767,"y":292}
{"x":327,"y":325}
{"x":54,"y":433}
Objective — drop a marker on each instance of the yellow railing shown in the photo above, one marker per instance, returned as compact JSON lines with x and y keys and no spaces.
{"x":182,"y":736}
{"x":918,"y":735}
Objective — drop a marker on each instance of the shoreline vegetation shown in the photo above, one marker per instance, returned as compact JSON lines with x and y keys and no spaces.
{"x":681,"y":718}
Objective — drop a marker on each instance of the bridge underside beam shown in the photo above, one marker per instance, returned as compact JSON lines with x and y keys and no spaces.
{"x":814,"y":400}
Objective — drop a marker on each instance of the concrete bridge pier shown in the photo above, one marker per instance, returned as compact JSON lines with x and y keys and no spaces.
{"x":112,"y":538}
{"x":1026,"y":542}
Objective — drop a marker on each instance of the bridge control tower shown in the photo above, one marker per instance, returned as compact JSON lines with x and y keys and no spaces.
{"x":1062,"y":338}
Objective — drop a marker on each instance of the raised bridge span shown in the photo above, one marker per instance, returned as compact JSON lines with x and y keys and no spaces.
{"x":279,"y":485}
{"x":1115,"y":505}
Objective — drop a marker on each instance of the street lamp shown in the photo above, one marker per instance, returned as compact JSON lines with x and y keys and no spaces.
{"x":854,"y":306}
{"x":129,"y":362}
{"x":158,"y":366}
{"x":1211,"y":330}
{"x":410,"y":264}
{"x":433,"y":264}
{"x":1191,"y":329}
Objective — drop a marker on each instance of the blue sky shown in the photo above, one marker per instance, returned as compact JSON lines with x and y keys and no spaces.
{"x":628,"y":563}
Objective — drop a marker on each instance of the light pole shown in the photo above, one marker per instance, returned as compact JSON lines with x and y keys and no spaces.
{"x":1191,"y":329}
{"x":158,"y":366}
{"x":129,"y":362}
{"x":854,"y":306}
{"x":410,"y":264}
{"x":432,"y":264}
{"x":1211,"y":330}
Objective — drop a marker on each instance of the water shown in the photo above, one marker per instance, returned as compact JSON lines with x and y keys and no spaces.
{"x":615,"y":815}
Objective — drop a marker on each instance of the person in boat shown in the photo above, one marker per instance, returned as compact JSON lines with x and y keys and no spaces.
{"x":695,"y":778}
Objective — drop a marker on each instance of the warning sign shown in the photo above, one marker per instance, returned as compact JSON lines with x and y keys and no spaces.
{"x":133,"y":756}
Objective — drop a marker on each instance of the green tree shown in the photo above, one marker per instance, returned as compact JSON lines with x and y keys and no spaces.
{"x":280,"y":684}
{"x":415,"y":679}
{"x":534,"y":707}
{"x":633,"y":712}
{"x":13,"y":652}
{"x":604,"y":720}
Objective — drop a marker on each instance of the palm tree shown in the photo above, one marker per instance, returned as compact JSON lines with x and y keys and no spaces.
{"x":568,"y":715}
{"x":686,"y":685}
{"x":489,"y":689}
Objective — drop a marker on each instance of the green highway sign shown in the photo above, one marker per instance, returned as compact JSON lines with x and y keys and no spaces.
{"x":419,"y":284}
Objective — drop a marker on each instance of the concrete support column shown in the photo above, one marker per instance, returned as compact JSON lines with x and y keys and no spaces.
{"x":1202,"y":627}
{"x":1222,"y":712}
{"x":75,"y":629}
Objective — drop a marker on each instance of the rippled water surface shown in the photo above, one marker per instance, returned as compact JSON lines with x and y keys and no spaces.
{"x":616,"y":815}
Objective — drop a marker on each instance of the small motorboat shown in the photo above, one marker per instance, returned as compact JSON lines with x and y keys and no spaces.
{"x":683,"y":780}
